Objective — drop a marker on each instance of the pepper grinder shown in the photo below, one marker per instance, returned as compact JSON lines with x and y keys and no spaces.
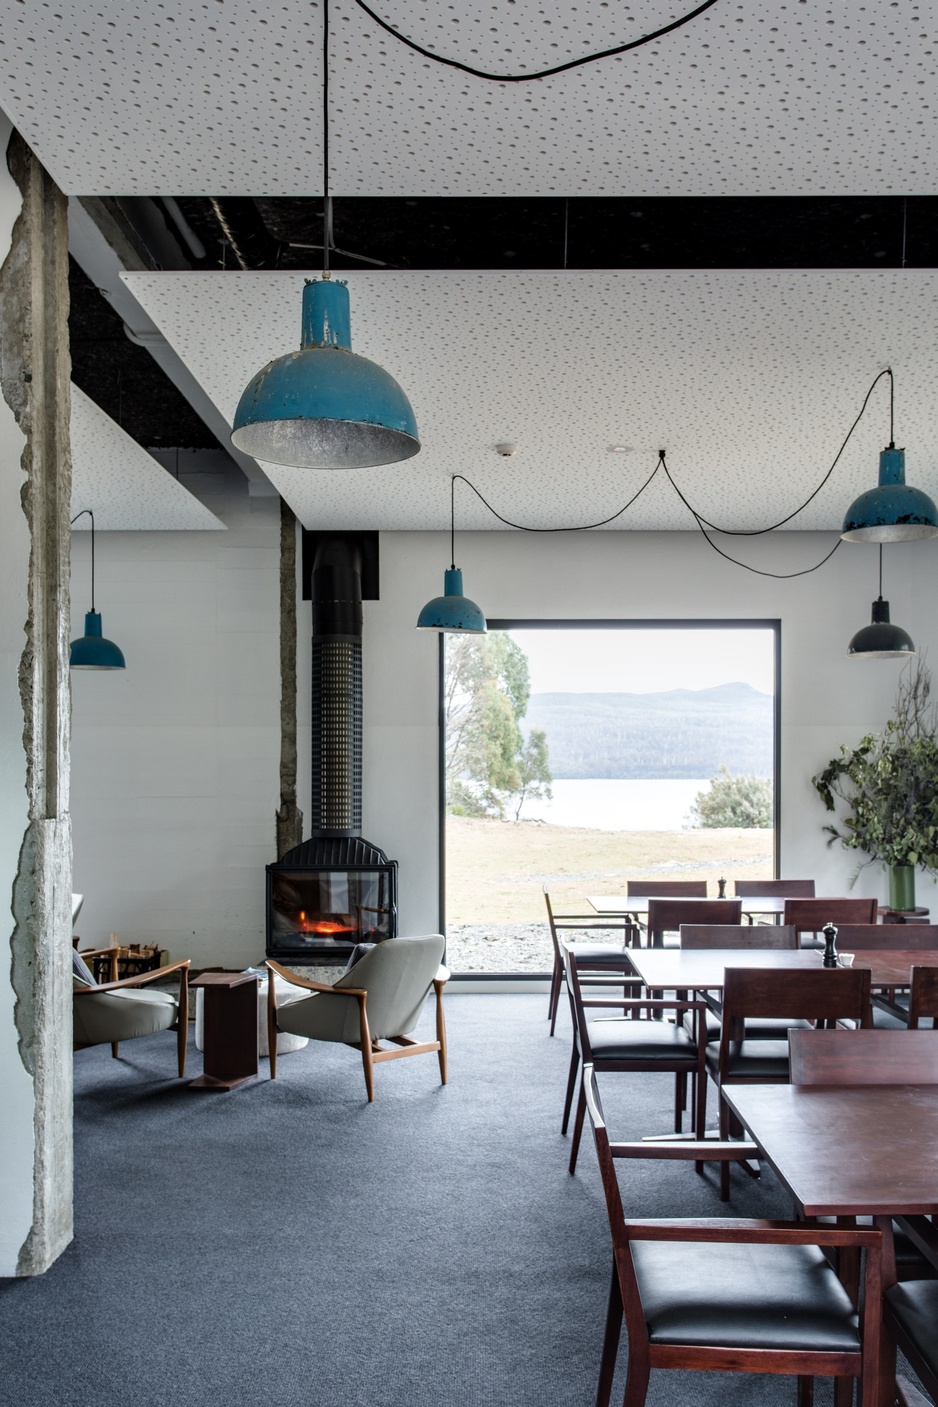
{"x":722,"y":885}
{"x":830,"y":946}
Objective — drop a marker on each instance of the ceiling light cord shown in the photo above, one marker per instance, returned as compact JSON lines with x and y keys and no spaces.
{"x":91,"y":516}
{"x":757,"y":532}
{"x":326,"y":197}
{"x":546,"y":72}
{"x":575,"y":527}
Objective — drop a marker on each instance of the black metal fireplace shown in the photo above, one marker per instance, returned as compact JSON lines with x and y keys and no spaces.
{"x":335,"y":889}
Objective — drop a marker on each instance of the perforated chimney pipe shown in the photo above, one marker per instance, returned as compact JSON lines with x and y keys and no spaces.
{"x":337,"y":689}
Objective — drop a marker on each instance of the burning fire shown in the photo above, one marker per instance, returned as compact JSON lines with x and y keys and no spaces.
{"x":324,"y":927}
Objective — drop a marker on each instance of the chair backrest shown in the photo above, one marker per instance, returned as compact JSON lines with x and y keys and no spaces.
{"x":797,"y":994}
{"x":923,"y":1001}
{"x":810,"y":915}
{"x":564,"y":923}
{"x":743,"y":935}
{"x":863,"y":1057}
{"x":667,"y":915}
{"x":887,"y":937}
{"x":572,"y":970}
{"x":666,"y":888}
{"x":397,"y":975}
{"x":779,"y":888}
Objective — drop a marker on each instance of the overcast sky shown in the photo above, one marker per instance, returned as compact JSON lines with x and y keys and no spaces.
{"x":646,"y":661}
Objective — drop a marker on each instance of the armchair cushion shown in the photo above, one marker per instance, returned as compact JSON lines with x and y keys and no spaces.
{"x":120,"y":1016}
{"x":617,"y":1037}
{"x":744,"y":1296}
{"x":915,"y":1306}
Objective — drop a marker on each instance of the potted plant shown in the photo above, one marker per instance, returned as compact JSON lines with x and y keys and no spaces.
{"x":888,"y":784}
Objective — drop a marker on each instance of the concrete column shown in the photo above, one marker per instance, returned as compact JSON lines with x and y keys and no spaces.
{"x":35,"y":834}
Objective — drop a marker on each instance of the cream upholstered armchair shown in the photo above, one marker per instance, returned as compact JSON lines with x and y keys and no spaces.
{"x":106,"y":1013}
{"x":380,"y":997}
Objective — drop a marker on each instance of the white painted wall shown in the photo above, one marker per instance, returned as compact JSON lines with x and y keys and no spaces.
{"x":17,"y":1144}
{"x":175,"y":761}
{"x":175,"y":765}
{"x":827,"y":699}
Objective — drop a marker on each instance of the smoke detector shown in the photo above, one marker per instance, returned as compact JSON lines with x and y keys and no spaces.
{"x":506,"y":450}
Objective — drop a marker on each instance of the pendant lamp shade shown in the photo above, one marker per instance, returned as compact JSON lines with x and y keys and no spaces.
{"x":452,"y":612}
{"x":92,"y":651}
{"x":881,"y":640}
{"x":325,"y":407}
{"x":892,"y":512}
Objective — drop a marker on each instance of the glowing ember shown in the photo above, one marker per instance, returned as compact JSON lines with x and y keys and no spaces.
{"x":323,"y":927}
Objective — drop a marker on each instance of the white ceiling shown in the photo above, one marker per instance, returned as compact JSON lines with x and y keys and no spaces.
{"x":749,"y":379}
{"x":209,"y":98}
{"x":123,"y":485}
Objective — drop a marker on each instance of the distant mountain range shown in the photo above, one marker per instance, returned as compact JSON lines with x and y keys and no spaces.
{"x":680,"y":733}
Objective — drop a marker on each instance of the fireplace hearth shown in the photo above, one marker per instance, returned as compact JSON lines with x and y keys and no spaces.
{"x":325,"y":896}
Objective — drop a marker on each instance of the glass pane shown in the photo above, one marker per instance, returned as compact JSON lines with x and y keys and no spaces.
{"x":318,"y":907}
{"x":578,"y":760}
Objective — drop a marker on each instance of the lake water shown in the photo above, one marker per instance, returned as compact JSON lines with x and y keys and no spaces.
{"x":646,"y":805}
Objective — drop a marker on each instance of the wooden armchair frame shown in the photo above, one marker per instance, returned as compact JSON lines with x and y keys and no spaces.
{"x":625,"y":1298}
{"x":372,"y":1052}
{"x":574,"y":923}
{"x":142,"y":979}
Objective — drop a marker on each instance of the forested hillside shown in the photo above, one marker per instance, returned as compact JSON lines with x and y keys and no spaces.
{"x":681,"y":733}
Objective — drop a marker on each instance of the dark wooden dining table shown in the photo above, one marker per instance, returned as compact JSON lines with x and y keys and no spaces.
{"x":852,"y":1150}
{"x":701,"y":969}
{"x":623,"y":906}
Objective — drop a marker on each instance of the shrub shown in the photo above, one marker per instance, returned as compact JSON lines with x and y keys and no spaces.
{"x":744,"y":802}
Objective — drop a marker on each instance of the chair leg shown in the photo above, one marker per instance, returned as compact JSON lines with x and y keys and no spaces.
{"x":182,"y":1022}
{"x":805,"y":1392}
{"x":724,"y":1134}
{"x":272,"y":1032}
{"x":843,"y":1392}
{"x":636,"y":1382}
{"x":365,"y":1043}
{"x":441,"y":1031}
{"x":578,"y":1126}
{"x":680,"y":1099}
{"x":607,"y":1363}
{"x":571,"y":1086}
{"x":556,"y":978}
{"x":115,"y":1047}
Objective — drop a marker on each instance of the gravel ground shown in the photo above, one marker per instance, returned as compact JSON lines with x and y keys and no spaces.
{"x":500,"y":947}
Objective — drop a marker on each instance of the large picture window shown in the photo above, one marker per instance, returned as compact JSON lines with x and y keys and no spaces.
{"x":578,"y":756}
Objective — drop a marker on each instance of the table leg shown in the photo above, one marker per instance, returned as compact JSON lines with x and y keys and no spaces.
{"x":883,"y":1393}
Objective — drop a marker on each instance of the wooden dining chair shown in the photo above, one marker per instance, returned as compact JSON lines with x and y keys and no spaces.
{"x":810,"y":915}
{"x":887,"y":937}
{"x":777,"y":888}
{"x":724,"y":1295}
{"x":631,"y":1046}
{"x":706,"y":935}
{"x":793,"y":994}
{"x":923,"y":996}
{"x":561,"y":925}
{"x":667,"y":915}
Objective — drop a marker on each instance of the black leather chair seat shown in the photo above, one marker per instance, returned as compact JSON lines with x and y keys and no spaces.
{"x":915,"y":1305}
{"x":767,"y":1028}
{"x":621,"y":1039}
{"x":753,"y":1059}
{"x":782,"y":1297}
{"x":596,"y":952}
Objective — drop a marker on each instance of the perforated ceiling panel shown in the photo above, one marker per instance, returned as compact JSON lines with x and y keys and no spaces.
{"x":123,"y":485}
{"x":750,"y":98}
{"x":748,"y":379}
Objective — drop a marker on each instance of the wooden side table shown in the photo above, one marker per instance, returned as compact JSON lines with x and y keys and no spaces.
{"x":230,"y":1054}
{"x":904,"y":916}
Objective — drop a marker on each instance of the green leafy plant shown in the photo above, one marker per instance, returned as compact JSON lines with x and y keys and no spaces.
{"x":743,"y":801}
{"x":888,"y":784}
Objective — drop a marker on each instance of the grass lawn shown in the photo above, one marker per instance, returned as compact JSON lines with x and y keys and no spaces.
{"x":496,"y":870}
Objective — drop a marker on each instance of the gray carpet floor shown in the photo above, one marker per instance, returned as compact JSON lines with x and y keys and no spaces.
{"x":289,"y":1245}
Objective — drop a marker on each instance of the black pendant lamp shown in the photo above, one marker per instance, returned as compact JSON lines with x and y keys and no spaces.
{"x":92,"y":650}
{"x":881,"y":640}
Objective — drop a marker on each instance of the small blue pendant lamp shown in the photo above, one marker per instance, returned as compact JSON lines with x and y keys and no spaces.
{"x":324,"y":407}
{"x":893,"y":511}
{"x":881,"y":640}
{"x":92,"y":651}
{"x":452,"y":612}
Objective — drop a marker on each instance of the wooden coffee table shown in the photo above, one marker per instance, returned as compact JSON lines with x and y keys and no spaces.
{"x":230,"y":1030}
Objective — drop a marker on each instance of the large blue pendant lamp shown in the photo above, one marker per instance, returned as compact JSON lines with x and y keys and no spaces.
{"x":892,"y":512}
{"x":881,"y":640}
{"x":325,"y":407}
{"x":452,"y":612}
{"x":92,"y":650}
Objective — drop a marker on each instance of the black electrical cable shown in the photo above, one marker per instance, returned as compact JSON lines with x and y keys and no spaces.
{"x":75,"y":520}
{"x":544,"y":73}
{"x":757,"y":532}
{"x":779,"y":576}
{"x":577,"y":527}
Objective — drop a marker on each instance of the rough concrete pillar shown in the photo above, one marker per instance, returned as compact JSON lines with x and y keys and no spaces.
{"x":35,"y":834}
{"x":289,"y":817}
